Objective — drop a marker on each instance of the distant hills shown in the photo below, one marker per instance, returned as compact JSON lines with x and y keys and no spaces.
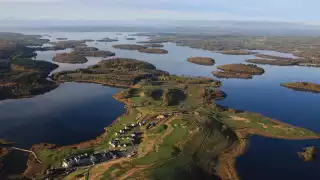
{"x":252,"y":28}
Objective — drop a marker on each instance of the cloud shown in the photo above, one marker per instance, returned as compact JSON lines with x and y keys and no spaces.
{"x":287,"y":10}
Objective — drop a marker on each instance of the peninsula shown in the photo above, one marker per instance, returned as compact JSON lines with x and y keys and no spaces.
{"x":21,"y":78}
{"x":206,"y":61}
{"x":303,"y":86}
{"x":3,"y":151}
{"x":274,"y":62}
{"x":236,"y":52}
{"x":173,"y":128}
{"x":121,"y":72}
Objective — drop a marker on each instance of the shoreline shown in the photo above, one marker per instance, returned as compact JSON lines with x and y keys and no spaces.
{"x":227,"y":159}
{"x":32,"y":162}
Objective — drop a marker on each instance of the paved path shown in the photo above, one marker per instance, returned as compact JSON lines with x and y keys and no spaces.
{"x":28,"y":151}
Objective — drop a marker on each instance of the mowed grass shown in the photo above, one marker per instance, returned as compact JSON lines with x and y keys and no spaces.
{"x":116,"y":170}
{"x":168,"y":146}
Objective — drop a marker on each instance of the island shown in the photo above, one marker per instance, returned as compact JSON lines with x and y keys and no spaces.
{"x":153,"y":51}
{"x":69,"y":44}
{"x":153,"y":45}
{"x":303,"y":86}
{"x":206,"y":61}
{"x":130,"y":39}
{"x":107,"y":40}
{"x":62,"y":39}
{"x":85,"y":48}
{"x":236,"y":52}
{"x":305,"y":48}
{"x":309,"y":153}
{"x":71,"y":58}
{"x":88,"y":40}
{"x":153,"y":41}
{"x":242,"y":71}
{"x":171,"y":122}
{"x":23,"y":78}
{"x":129,"y":46}
{"x":91,"y":52}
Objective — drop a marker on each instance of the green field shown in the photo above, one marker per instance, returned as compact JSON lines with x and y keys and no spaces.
{"x":184,"y":144}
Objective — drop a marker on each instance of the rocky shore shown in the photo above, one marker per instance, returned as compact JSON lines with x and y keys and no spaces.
{"x":309,"y":153}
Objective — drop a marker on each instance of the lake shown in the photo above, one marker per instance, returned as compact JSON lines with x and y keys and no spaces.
{"x":75,"y":112}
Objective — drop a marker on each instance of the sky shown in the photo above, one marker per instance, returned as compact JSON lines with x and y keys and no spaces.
{"x":305,"y":11}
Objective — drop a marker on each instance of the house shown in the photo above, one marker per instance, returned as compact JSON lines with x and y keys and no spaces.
{"x":94,"y":159}
{"x":114,"y":143}
{"x":142,"y":123}
{"x":160,"y":117}
{"x":83,"y":160}
{"x":68,"y":163}
{"x":113,"y":154}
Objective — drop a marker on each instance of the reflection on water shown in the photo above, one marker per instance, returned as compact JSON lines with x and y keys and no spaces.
{"x":72,"y":113}
{"x":276,"y":159}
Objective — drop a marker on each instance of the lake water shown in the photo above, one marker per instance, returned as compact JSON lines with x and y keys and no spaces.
{"x":72,"y":113}
{"x":75,"y":112}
